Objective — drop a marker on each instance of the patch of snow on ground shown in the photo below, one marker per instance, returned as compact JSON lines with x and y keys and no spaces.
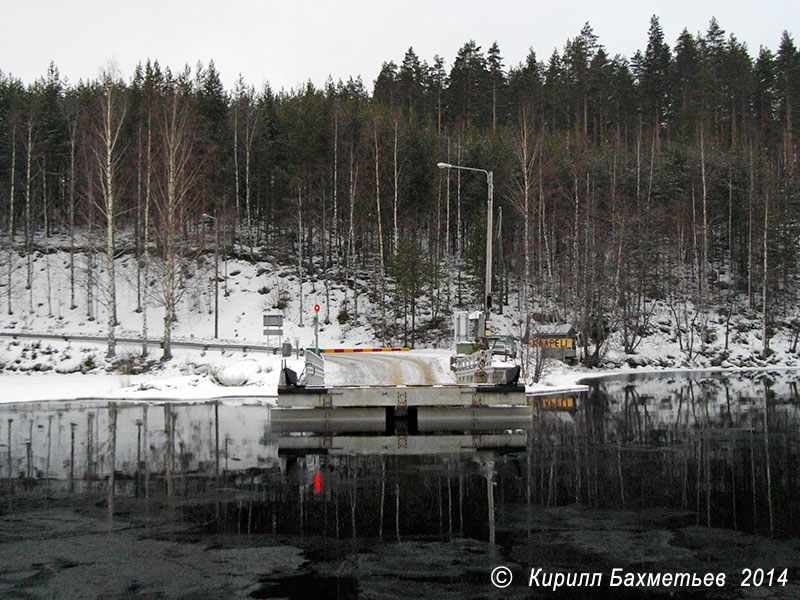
{"x":32,"y":369}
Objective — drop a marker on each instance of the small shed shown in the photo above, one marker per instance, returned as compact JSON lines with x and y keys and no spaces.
{"x":468,"y":328}
{"x":555,"y":341}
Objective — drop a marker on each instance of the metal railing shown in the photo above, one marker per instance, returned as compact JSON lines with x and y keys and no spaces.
{"x":314,"y":371}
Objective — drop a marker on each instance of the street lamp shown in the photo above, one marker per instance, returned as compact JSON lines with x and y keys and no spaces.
{"x":216,"y":273}
{"x":489,"y":211}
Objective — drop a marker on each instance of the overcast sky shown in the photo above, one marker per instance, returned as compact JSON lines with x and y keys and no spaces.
{"x":285,"y":43}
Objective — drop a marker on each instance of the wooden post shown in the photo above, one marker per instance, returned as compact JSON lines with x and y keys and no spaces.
{"x":216,"y":442}
{"x":397,"y":510}
{"x":138,"y":457}
{"x":72,"y":427}
{"x":144,"y":465}
{"x":168,"y":450}
{"x":490,"y":499}
{"x":112,"y":452}
{"x":10,"y":467}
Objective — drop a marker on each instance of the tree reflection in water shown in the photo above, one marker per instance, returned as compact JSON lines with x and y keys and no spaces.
{"x":723,"y":450}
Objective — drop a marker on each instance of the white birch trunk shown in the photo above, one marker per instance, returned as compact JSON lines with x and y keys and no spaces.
{"x":28,"y":224}
{"x":110,"y":127}
{"x":236,"y":166}
{"x":704,"y":263}
{"x":250,"y":135}
{"x":396,"y":193}
{"x":11,"y":185}
{"x":380,"y":226}
{"x":351,"y":232}
{"x":73,"y":140}
{"x":448,"y":246}
{"x":44,"y":197}
{"x":336,"y":187}
{"x":175,"y":196}
{"x":146,"y":229}
{"x":750,"y":232}
{"x":378,"y":203}
{"x":11,"y":216}
{"x":300,"y":247}
{"x":765,"y":280}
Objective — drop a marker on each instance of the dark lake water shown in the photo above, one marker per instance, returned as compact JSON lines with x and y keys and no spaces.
{"x":667,"y":473}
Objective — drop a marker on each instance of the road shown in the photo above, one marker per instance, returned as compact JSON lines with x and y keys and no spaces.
{"x":428,"y":367}
{"x":150,"y":342}
{"x":388,"y":368}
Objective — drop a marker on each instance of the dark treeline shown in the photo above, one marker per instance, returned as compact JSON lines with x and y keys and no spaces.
{"x":668,"y":177}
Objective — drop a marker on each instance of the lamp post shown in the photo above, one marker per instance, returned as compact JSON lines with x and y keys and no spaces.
{"x":489,"y":212}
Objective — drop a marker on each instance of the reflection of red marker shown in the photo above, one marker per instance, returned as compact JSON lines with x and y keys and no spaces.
{"x":317,"y":481}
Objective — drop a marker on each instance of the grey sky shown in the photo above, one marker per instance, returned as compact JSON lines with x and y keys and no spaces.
{"x":288,"y":42}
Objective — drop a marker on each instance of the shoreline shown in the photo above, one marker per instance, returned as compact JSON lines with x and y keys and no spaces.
{"x":43,"y":387}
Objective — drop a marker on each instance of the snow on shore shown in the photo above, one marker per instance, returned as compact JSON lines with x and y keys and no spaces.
{"x":56,"y":369}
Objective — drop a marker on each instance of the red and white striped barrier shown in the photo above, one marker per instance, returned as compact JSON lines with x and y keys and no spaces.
{"x":338,"y":350}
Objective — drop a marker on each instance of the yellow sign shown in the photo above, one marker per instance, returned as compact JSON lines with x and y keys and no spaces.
{"x":551,"y":402}
{"x":551,"y":342}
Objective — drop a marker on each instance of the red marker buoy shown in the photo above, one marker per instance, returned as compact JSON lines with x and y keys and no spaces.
{"x":317,"y":481}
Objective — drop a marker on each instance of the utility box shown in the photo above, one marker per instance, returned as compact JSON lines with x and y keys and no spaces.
{"x":460,"y":327}
{"x":468,"y":329}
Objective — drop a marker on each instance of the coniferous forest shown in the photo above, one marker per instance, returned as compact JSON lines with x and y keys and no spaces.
{"x":668,"y":177}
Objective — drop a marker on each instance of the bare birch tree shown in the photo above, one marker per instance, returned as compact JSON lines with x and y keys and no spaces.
{"x":174,"y":196}
{"x":300,"y":247}
{"x":11,"y":215}
{"x":378,"y":219}
{"x":396,"y":179}
{"x":148,"y":194}
{"x":72,"y":128}
{"x":30,"y":142}
{"x":526,"y":149}
{"x":108,"y":155}
{"x":350,"y":267}
{"x":250,"y":134}
{"x":245,"y":99}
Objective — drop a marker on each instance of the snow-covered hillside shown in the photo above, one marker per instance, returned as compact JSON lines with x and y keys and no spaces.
{"x":249,"y":292}
{"x":253,"y":289}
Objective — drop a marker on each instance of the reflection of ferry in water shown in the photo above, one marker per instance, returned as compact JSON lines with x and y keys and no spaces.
{"x":56,"y":440}
{"x":426,"y":431}
{"x":53,"y":441}
{"x":697,"y":444}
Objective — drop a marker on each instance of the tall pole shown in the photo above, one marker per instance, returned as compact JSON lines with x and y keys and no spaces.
{"x":316,"y":328}
{"x":489,"y":213}
{"x":487,"y":295}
